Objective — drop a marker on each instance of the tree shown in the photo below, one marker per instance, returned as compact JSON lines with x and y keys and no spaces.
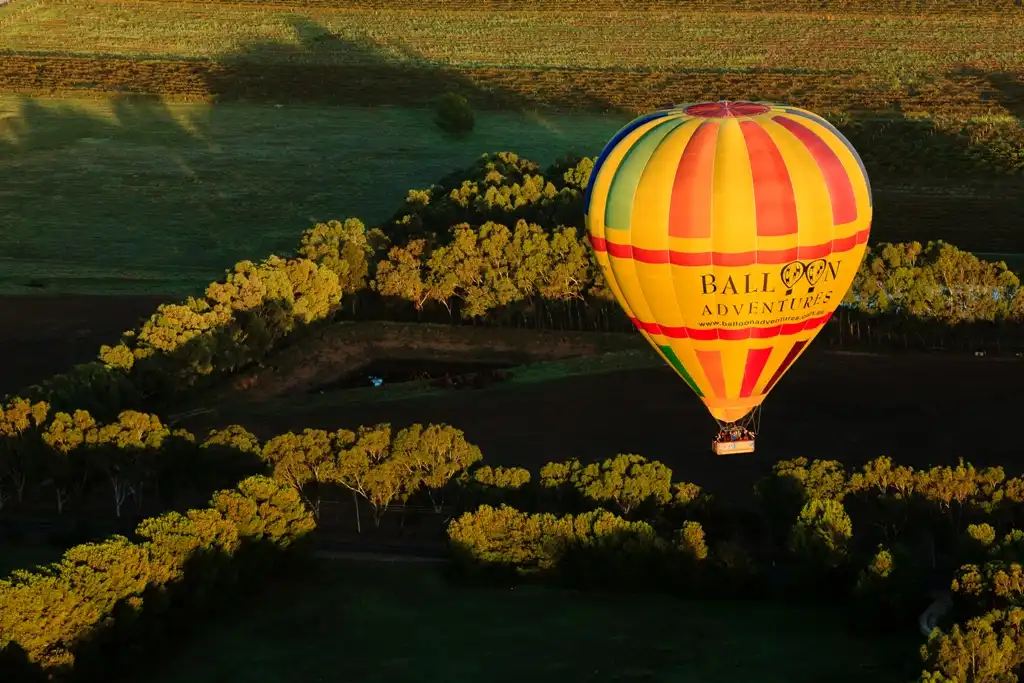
{"x":370,"y":469}
{"x":987,"y":649}
{"x":890,"y":590}
{"x":509,"y":478}
{"x":434,"y":455}
{"x":346,"y":249}
{"x":52,"y":611}
{"x":65,"y":463}
{"x":995,"y":584}
{"x":126,"y":453}
{"x":822,"y":533}
{"x":176,"y":347}
{"x":502,"y":537}
{"x":558,"y":474}
{"x":685,"y":494}
{"x":305,"y":462}
{"x":230,"y":454}
{"x":950,"y":488}
{"x":456,"y":269}
{"x":454,"y":115}
{"x":506,"y":278}
{"x":795,"y":482}
{"x":692,"y":542}
{"x":594,"y":547}
{"x":567,"y":274}
{"x":883,"y":493}
{"x":404,"y":275}
{"x":21,"y":424}
{"x":627,"y":481}
{"x":174,"y":539}
{"x":979,"y":539}
{"x":265,"y":510}
{"x":493,"y":485}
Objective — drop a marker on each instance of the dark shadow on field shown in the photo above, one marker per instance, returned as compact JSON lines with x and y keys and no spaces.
{"x":917,"y":409}
{"x":1006,"y":88}
{"x":362,"y":72}
{"x":928,"y":155}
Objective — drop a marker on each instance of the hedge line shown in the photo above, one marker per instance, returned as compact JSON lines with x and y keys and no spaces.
{"x":883,"y":541}
{"x":109,"y":604}
{"x":135,"y":460}
{"x":877,"y":539}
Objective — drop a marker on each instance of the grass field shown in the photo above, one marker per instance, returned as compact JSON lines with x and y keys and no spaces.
{"x":144,"y":196}
{"x":377,"y":623}
{"x":680,"y":39}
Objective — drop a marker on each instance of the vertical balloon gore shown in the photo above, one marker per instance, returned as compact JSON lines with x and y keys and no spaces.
{"x":729,"y":232}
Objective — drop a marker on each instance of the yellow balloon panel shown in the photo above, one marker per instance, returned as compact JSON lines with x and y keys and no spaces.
{"x":729,"y":233}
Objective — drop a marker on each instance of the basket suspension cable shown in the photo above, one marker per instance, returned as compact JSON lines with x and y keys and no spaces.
{"x":750,"y":422}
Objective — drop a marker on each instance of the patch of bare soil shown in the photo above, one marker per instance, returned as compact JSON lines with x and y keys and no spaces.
{"x":41,"y":336}
{"x":919,"y":409}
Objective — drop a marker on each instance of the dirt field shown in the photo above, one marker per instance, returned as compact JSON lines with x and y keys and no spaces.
{"x":43,"y":335}
{"x":918,"y":409}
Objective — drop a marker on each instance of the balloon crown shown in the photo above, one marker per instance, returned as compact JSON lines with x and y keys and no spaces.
{"x":726,"y":109}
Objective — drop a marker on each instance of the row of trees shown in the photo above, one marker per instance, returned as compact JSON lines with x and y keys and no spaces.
{"x":110,"y":604}
{"x":501,"y":243}
{"x":878,"y":540}
{"x":74,"y":460}
{"x":880,"y":537}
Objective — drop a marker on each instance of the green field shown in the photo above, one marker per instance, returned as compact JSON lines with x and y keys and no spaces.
{"x":679,"y":39}
{"x":377,"y":623}
{"x":106,"y":196}
{"x":137,"y":195}
{"x":111,"y":193}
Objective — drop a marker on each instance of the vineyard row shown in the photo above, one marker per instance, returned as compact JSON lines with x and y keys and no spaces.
{"x":874,"y":7}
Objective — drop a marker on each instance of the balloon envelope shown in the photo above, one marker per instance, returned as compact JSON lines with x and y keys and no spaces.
{"x":729,"y":232}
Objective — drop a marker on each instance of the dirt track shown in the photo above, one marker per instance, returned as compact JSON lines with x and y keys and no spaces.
{"x":918,"y":409}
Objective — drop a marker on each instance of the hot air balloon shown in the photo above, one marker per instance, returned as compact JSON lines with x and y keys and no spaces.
{"x":729,"y":232}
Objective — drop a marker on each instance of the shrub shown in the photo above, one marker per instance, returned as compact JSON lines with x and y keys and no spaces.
{"x":594,"y":548}
{"x":454,"y":115}
{"x":691,"y":541}
{"x":488,"y":485}
{"x":822,"y":533}
{"x":629,"y":482}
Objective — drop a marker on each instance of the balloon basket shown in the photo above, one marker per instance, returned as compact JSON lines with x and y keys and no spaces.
{"x":733,"y":447}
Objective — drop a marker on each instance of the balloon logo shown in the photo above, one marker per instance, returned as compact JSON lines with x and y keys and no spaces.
{"x":791,"y":274}
{"x":814,"y":272}
{"x":706,"y":219}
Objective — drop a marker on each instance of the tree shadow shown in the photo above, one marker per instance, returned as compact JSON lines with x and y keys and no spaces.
{"x":167,"y":207}
{"x":325,"y":68}
{"x":1006,"y":88}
